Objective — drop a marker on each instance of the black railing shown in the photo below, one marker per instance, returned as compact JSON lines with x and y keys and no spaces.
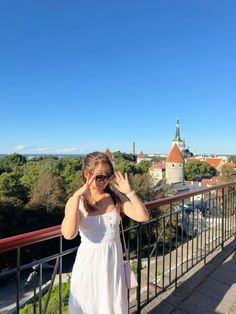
{"x":183,"y":230}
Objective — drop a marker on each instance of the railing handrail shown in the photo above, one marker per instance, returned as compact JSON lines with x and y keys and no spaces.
{"x":28,"y":238}
{"x":33,"y":237}
{"x":181,"y":196}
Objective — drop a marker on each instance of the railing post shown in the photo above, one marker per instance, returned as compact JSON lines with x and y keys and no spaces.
{"x":51,"y":285}
{"x":234,"y":213}
{"x":60,"y":276}
{"x":176,"y":250}
{"x":18,"y":281}
{"x":170,"y":243}
{"x":223,"y":211}
{"x":206,"y":228}
{"x":139,"y":262}
{"x":35,"y":288}
{"x":40,"y":287}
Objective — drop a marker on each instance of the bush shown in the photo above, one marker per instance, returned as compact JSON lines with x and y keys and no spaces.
{"x":53,"y":305}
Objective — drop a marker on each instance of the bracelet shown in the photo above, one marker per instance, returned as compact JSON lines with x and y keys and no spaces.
{"x":131,"y":194}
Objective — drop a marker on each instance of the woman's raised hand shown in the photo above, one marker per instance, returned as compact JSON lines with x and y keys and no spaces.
{"x":84,"y":188}
{"x":122,"y":182}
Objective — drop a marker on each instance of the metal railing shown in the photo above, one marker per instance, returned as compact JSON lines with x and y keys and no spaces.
{"x":183,"y":230}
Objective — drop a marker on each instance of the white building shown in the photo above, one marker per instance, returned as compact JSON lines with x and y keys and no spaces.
{"x":157,"y":171}
{"x":175,"y":166}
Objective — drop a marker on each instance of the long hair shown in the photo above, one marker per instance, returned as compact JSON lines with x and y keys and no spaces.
{"x":91,"y":161}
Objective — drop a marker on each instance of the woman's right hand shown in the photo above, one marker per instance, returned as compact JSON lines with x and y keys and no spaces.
{"x":70,"y":223}
{"x":86,"y":186}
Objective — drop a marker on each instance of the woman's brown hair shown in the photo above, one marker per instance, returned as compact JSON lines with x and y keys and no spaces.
{"x":91,"y":161}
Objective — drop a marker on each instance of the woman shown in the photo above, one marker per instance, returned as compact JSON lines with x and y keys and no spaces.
{"x":98,"y":282}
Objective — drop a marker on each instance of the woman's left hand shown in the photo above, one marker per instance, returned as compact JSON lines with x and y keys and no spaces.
{"x":122,"y":183}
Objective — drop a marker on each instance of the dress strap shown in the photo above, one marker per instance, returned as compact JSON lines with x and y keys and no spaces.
{"x":81,"y":206}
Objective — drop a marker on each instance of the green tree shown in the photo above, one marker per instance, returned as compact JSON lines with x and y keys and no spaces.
{"x":48,"y":193}
{"x":143,"y":166}
{"x":68,"y":168}
{"x":75,"y":184}
{"x":195,"y":168}
{"x":143,"y":184}
{"x":124,"y":162}
{"x":125,"y":156}
{"x":124,"y":165}
{"x":10,"y":217}
{"x":30,"y":175}
{"x":10,"y":186}
{"x":228,"y":173}
{"x":10,"y":162}
{"x":232,"y":159}
{"x":50,"y":164}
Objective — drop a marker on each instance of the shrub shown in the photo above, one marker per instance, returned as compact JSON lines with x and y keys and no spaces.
{"x":53,"y":305}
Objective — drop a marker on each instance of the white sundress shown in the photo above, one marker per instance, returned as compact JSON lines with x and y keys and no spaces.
{"x":98,"y":279}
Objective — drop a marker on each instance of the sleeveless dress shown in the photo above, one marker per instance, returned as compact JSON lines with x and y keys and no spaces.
{"x":98,"y":278}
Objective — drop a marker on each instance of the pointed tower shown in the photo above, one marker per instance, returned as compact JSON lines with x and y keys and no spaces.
{"x":178,"y":141}
{"x":175,"y":166}
{"x":140,"y":157}
{"x":109,"y":155}
{"x":133,"y":148}
{"x":177,"y":132}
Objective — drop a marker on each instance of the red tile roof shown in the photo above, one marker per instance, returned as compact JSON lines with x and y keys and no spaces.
{"x":159,"y":165}
{"x":214,"y":180}
{"x":230,"y":164}
{"x":175,"y":155}
{"x":109,"y":154}
{"x":214,"y":162}
{"x":141,"y":154}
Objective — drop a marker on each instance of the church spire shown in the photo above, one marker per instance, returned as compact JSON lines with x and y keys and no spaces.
{"x":177,"y":132}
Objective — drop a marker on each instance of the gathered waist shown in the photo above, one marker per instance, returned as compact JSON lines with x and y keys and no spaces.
{"x":96,"y":239}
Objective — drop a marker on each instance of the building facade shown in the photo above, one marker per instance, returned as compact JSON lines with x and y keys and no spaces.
{"x":175,"y":166}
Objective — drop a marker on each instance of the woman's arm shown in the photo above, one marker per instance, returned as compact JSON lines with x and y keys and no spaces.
{"x":70,"y":223}
{"x":132,"y":206}
{"x":135,"y":209}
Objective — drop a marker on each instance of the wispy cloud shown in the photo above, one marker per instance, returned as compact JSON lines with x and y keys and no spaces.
{"x":20,"y":147}
{"x":43,"y":149}
{"x":67,"y":150}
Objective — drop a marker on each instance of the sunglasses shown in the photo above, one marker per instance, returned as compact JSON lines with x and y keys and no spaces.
{"x":102,"y":177}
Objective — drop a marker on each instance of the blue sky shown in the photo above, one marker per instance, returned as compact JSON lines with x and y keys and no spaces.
{"x":81,"y":75}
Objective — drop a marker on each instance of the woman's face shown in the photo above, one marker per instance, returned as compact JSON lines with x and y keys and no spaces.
{"x":104,"y":175}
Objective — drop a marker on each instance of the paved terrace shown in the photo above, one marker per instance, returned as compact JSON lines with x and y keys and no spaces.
{"x":209,"y":288}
